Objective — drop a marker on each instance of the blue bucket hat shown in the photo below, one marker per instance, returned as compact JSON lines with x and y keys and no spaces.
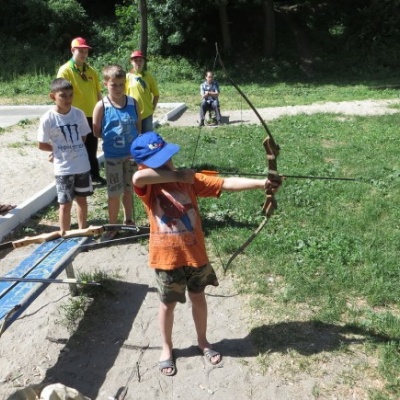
{"x":151,"y":150}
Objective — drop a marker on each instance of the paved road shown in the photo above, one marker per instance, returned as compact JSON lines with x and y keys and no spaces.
{"x":11,"y":115}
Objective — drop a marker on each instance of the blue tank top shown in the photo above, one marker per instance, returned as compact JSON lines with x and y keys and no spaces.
{"x":118,"y":128}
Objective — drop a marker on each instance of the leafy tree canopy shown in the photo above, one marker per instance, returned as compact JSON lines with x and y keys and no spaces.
{"x":359,"y":33}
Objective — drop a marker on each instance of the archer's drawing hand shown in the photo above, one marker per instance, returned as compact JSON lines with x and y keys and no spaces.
{"x":186,"y":175}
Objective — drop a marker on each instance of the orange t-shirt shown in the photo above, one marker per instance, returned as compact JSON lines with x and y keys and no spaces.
{"x":176,"y":234}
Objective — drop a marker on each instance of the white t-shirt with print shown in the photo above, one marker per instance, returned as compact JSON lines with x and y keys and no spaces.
{"x":64,"y":133}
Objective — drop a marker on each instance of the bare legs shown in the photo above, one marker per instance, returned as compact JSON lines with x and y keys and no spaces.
{"x":81,"y":211}
{"x":113,"y":207}
{"x":166,"y":321}
{"x":127,"y":203}
{"x":64,"y":214}
{"x":199,"y":313}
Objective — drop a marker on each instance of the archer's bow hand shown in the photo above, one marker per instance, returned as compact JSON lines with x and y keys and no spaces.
{"x":272,"y":184}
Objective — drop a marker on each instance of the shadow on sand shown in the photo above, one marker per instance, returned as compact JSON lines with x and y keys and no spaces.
{"x":103,"y":330}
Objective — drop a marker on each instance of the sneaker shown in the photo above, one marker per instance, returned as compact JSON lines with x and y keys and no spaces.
{"x":201,"y":122}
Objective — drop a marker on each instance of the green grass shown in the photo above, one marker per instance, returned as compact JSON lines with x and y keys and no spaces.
{"x":35,"y":89}
{"x":275,"y":94}
{"x":72,"y":312}
{"x":331,"y":245}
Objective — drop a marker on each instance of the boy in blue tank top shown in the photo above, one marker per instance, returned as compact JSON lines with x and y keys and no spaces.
{"x":116,"y":119}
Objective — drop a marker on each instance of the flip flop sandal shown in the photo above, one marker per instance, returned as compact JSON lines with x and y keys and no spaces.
{"x":170,"y":363}
{"x":210,"y":353}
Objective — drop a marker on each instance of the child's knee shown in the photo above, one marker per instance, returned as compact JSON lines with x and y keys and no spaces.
{"x":198,"y":298}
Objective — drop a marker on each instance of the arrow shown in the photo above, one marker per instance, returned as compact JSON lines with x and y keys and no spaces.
{"x":40,"y":280}
{"x":207,"y":172}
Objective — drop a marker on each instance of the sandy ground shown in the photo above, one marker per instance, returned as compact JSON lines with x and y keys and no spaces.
{"x":116,"y":344}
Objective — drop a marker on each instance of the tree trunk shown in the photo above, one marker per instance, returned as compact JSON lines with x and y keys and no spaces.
{"x":269,"y":37}
{"x":302,"y":44}
{"x":144,"y":37}
{"x":226,"y":35}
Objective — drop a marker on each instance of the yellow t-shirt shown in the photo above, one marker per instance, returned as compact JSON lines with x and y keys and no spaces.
{"x":176,"y":233}
{"x":85,"y":91}
{"x":142,"y":87}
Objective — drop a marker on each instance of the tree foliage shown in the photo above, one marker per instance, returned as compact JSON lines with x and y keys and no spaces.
{"x":357,"y":34}
{"x":38,"y":30}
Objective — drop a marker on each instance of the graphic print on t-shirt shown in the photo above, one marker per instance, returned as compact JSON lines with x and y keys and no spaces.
{"x":67,"y":130}
{"x":71,"y":137}
{"x":173,"y":212}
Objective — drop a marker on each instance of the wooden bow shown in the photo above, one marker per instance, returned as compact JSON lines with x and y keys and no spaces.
{"x":272,"y":152}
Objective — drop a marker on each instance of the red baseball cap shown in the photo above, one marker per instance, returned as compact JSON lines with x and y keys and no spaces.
{"x":137,"y":53}
{"x":79,"y":43}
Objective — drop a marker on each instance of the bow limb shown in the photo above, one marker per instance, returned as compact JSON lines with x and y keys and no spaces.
{"x":241,"y":248}
{"x":272,"y":151}
{"x":268,"y":210}
{"x":244,"y":97}
{"x":270,"y":203}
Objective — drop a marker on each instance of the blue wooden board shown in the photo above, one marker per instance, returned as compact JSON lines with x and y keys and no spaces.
{"x":38,"y":255}
{"x":46,"y":261}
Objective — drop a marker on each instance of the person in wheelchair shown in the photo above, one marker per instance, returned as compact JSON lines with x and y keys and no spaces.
{"x":209,"y":91}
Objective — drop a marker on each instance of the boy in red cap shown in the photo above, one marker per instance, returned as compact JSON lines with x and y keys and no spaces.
{"x":142,"y":86}
{"x":177,"y":249}
{"x":87,"y":92}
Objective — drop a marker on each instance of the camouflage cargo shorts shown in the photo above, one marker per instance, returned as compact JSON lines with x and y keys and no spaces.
{"x":172,"y":284}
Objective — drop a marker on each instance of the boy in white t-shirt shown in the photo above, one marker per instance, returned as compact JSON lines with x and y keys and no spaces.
{"x":62,"y":132}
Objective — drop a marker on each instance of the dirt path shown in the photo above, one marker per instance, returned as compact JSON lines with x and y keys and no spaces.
{"x":247,"y":116}
{"x":117,"y":342}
